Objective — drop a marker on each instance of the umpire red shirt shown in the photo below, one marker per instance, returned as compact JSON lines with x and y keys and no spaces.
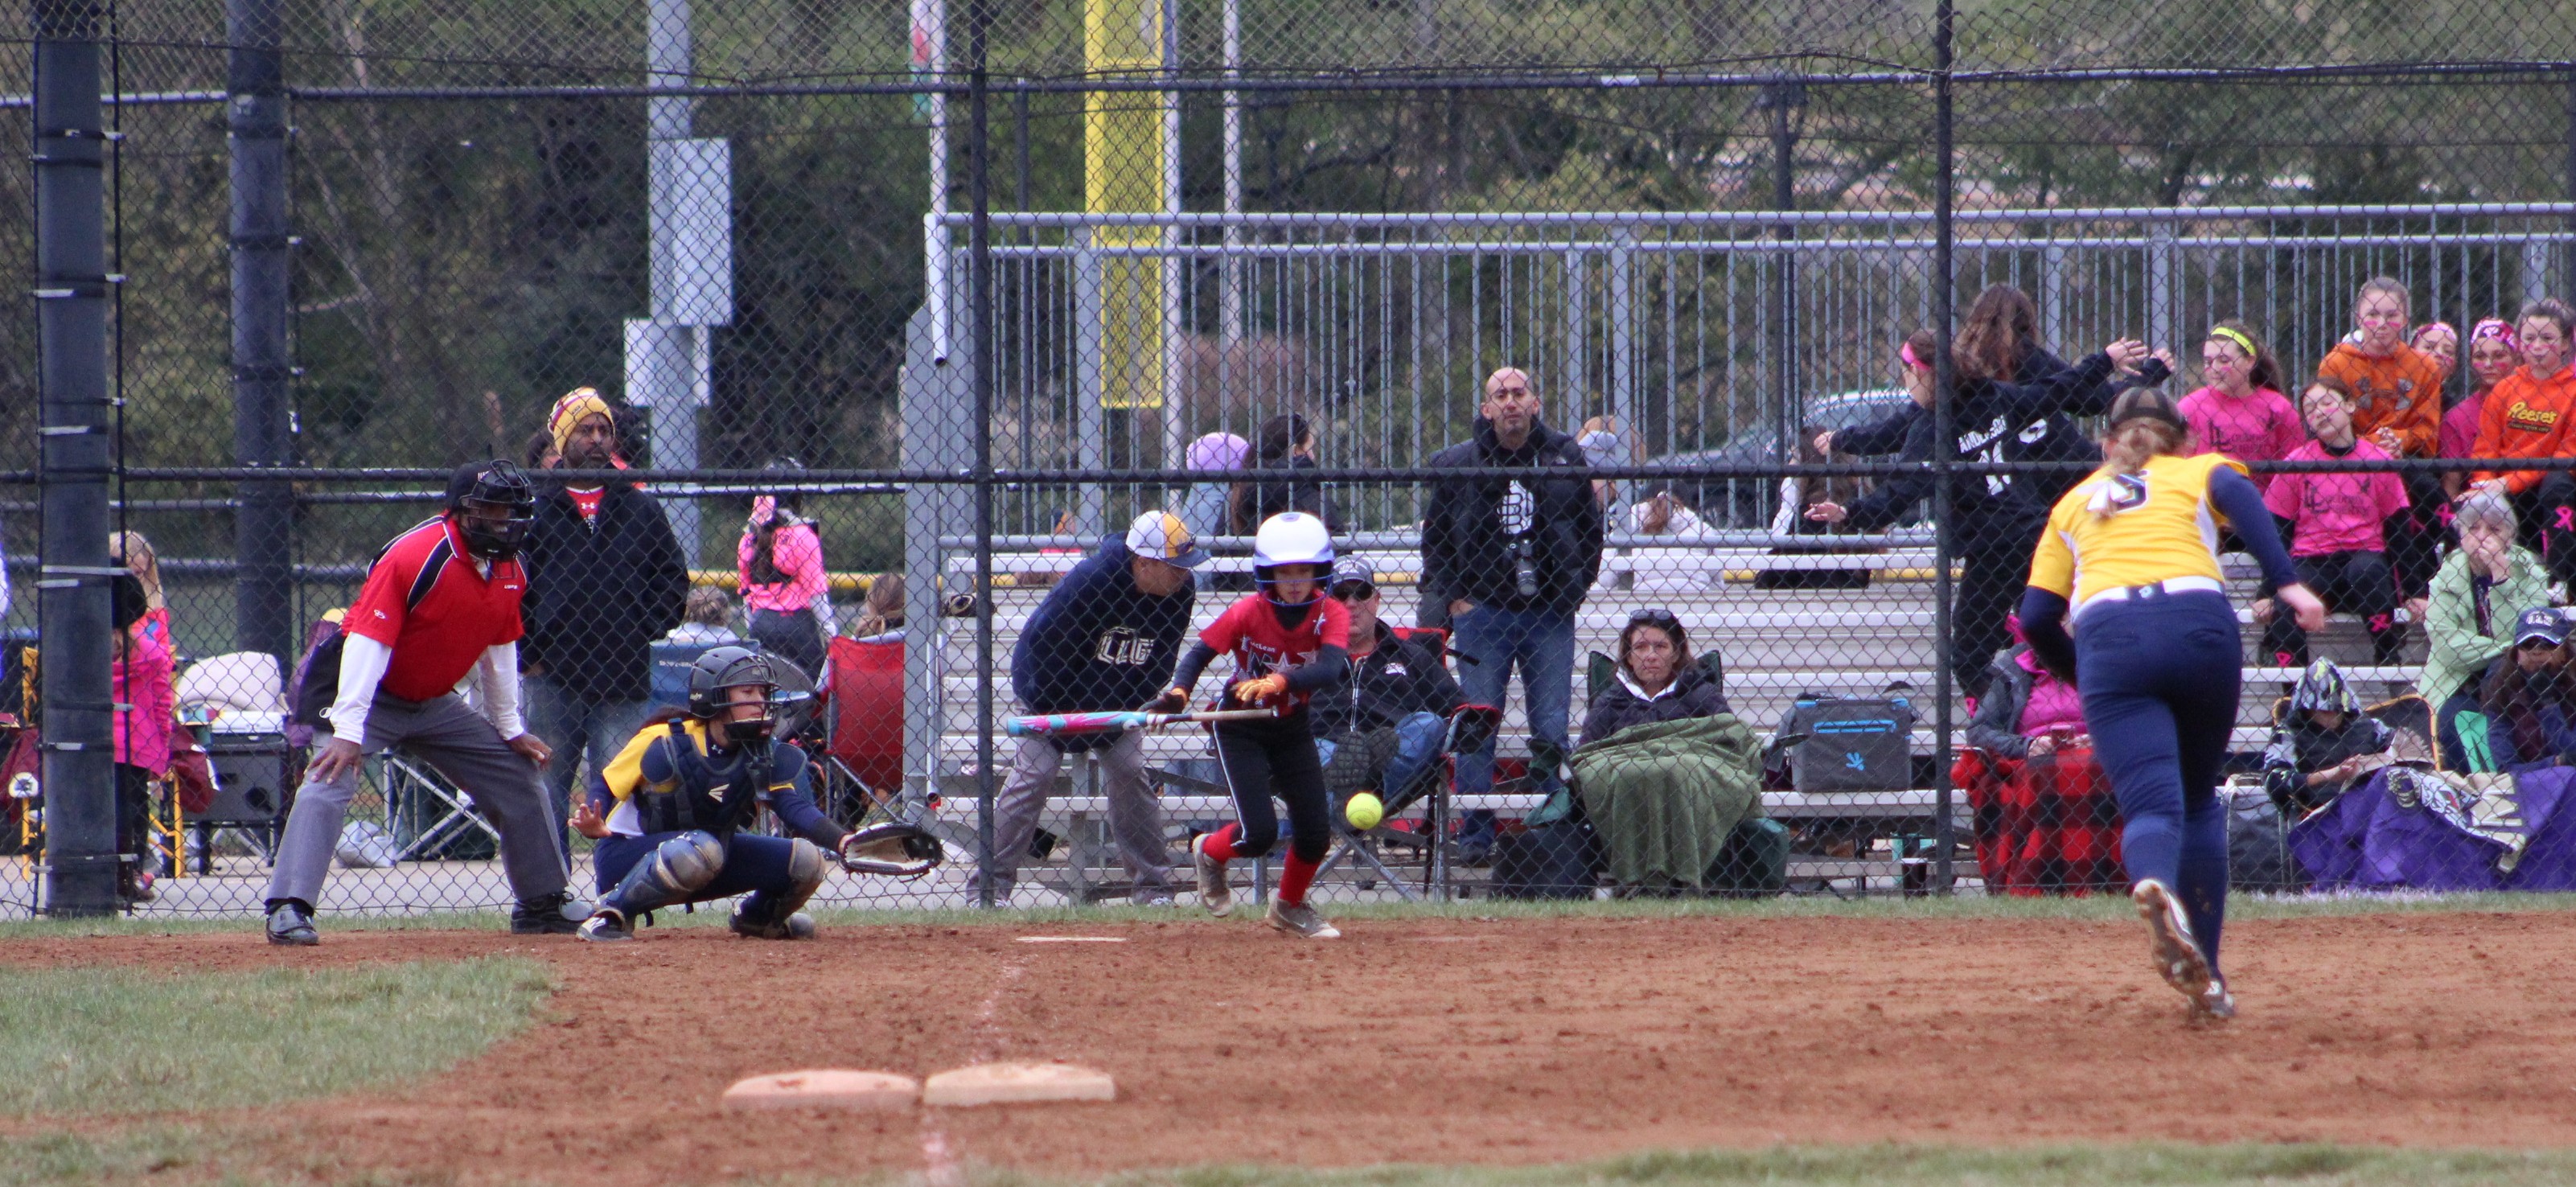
{"x":1250,"y":631}
{"x":424,"y":600}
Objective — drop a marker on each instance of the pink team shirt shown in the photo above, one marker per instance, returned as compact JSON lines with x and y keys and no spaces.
{"x":2262,"y":427}
{"x":798,"y":553}
{"x":2460,"y":427}
{"x":142,"y":680}
{"x":2336,"y":512}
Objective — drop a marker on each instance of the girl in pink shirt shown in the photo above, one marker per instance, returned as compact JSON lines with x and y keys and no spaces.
{"x":141,"y":684}
{"x":784,"y":589}
{"x":2337,"y":540}
{"x":2493,"y":353}
{"x":2241,"y":412}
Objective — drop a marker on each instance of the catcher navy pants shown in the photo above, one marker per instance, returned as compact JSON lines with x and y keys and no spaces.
{"x":460,"y":744}
{"x":753,"y":864}
{"x":2160,"y":678}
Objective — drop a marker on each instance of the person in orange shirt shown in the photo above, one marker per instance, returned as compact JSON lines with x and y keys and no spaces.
{"x":2526,"y":416}
{"x":2397,"y":406}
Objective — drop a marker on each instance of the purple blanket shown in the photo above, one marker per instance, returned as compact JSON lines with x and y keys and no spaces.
{"x":2366,"y":840}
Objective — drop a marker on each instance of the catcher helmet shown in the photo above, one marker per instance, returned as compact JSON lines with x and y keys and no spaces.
{"x":1291,"y":538}
{"x":494,"y":504}
{"x":722,"y":669}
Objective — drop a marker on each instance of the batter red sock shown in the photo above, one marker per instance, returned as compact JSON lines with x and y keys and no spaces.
{"x":1295,"y":875}
{"x":1219,"y":845}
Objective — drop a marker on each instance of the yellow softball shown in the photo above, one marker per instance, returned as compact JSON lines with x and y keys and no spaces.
{"x":1364,"y":811}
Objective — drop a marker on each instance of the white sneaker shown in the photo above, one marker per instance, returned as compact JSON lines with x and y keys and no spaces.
{"x":1301,"y":920}
{"x":2177,"y":954}
{"x":1214,"y":894}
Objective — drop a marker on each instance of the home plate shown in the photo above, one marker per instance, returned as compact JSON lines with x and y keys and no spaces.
{"x":826,"y":1088}
{"x":1073,"y":939}
{"x":1017,"y":1084}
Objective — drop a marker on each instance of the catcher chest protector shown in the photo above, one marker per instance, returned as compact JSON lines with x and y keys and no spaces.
{"x":1849,"y":743}
{"x":694,"y":803}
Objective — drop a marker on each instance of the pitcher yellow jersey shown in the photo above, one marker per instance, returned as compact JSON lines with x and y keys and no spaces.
{"x":2161,"y":526}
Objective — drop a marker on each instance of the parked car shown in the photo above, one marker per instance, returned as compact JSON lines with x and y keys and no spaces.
{"x":1760,"y":502}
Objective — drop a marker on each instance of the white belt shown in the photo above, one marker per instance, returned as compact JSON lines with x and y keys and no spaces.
{"x":2170,"y":585}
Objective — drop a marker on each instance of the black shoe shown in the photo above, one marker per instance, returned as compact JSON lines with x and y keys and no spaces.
{"x":290,"y":924}
{"x":548,"y":915}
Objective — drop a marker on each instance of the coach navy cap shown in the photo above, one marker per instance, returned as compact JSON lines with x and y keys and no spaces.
{"x":2540,"y":624}
{"x":1161,"y":536}
{"x":1352,"y":569}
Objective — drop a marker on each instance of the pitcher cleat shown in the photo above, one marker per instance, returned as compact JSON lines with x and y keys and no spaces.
{"x":1214,"y":894}
{"x":1300,"y":920}
{"x":2214,"y":1004}
{"x":2177,"y":954}
{"x":289,"y":924}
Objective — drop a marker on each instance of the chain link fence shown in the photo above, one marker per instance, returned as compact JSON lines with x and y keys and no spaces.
{"x":901,"y":316}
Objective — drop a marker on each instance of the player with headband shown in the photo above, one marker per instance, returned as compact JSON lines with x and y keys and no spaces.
{"x":1289,"y":641}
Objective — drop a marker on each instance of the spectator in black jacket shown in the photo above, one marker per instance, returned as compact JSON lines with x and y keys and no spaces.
{"x":1659,"y":679}
{"x":1512,"y":559}
{"x":605,"y":579}
{"x":1380,"y":731}
{"x":1105,"y":638}
{"x":2002,"y":331}
{"x":1996,"y":519}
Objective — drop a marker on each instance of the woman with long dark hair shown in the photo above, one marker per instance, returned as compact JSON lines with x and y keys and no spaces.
{"x":1995,"y":518}
{"x":784,"y":587}
{"x":1286,"y":442}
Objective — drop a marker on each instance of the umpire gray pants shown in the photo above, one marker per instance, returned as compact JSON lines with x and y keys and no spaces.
{"x":460,"y":744}
{"x":1135,"y":815}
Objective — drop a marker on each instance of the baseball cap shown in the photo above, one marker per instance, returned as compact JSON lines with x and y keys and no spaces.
{"x":1161,"y":536}
{"x":1350,"y":569}
{"x":2540,"y":624}
{"x":2147,"y":402}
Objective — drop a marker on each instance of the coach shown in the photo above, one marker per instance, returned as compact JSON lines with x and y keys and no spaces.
{"x":605,"y":579}
{"x":1105,"y":638}
{"x":440,"y":603}
{"x":1513,"y":559}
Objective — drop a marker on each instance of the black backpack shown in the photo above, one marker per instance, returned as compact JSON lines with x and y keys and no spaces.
{"x":1841,"y":744}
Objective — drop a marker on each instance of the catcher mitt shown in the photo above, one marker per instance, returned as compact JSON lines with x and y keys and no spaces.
{"x":891,"y":848}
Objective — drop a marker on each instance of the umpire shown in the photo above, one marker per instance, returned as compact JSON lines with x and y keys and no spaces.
{"x":1105,"y":638}
{"x":441,"y":603}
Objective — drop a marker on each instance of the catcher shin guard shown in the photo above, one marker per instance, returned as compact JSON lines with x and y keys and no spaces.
{"x":673,"y":871}
{"x":805,"y":869}
{"x":892,"y":848}
{"x":767,"y":915}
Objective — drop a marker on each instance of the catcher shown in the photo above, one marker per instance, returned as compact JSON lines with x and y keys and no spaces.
{"x":670,"y":810}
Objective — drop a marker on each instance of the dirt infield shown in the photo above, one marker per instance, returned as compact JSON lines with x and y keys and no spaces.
{"x":1455,"y":1041}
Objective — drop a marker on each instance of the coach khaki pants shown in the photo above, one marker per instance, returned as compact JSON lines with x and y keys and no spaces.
{"x":460,"y":744}
{"x":1135,"y":815}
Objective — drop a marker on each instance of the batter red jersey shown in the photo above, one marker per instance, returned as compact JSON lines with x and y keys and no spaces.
{"x":424,"y":600}
{"x":1249,"y":631}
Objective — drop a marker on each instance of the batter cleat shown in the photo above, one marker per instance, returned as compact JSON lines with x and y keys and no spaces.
{"x":290,"y":924}
{"x":557,"y":914}
{"x":607,"y":926}
{"x":1300,"y":920}
{"x":2178,"y":956}
{"x":1214,"y":894}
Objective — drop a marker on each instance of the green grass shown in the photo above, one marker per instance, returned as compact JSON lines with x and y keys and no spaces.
{"x":123,"y":1040}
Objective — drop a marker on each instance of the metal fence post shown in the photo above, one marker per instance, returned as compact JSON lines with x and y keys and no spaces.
{"x":1944,"y":437}
{"x":980,"y":347}
{"x":2161,"y":292}
{"x":1623,"y":335}
{"x":255,"y":86}
{"x":71,"y":325}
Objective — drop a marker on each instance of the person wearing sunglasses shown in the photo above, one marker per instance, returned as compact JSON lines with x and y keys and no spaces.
{"x":1382,"y":730}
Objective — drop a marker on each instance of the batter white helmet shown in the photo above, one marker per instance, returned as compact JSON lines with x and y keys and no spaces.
{"x":1291,"y":538}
